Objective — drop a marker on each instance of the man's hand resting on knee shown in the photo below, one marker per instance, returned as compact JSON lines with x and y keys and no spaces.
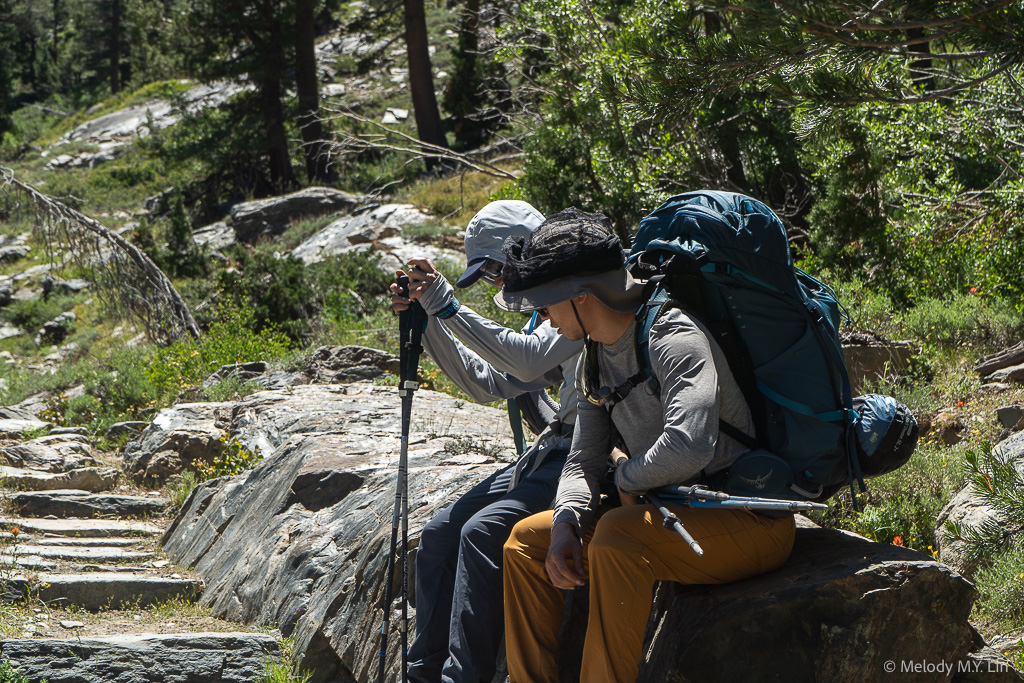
{"x":565,"y":557}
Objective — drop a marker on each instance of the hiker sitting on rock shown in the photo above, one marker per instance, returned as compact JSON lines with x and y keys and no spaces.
{"x":570,"y":270}
{"x":459,"y":607}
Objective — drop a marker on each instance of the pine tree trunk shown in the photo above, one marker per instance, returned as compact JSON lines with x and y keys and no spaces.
{"x":421,"y":79}
{"x":269,"y":84}
{"x":115,"y":46}
{"x":461,"y":106}
{"x":314,"y":147}
{"x":921,"y":68}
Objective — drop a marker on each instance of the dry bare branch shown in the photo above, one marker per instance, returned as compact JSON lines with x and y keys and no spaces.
{"x":124,"y":277}
{"x":412,"y":146}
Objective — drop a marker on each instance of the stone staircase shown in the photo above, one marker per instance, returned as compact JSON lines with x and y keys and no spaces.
{"x":88,"y":594}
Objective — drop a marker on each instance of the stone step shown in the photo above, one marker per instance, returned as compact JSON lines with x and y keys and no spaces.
{"x":98,"y":591}
{"x":92,"y":479}
{"x":146,"y":658}
{"x":75,"y":503}
{"x":8,"y":561}
{"x":83,"y":542}
{"x":91,"y":554}
{"x":86,"y":528}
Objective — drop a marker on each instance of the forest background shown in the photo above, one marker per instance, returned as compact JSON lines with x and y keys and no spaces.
{"x":889,"y":137}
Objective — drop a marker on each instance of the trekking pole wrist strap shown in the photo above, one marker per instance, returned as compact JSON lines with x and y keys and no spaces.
{"x":448,"y":311}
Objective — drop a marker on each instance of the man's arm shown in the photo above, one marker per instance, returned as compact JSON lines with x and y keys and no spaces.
{"x":682,"y":361}
{"x":525,"y":356}
{"x":578,"y":487}
{"x":577,"y":495}
{"x":479,"y":379}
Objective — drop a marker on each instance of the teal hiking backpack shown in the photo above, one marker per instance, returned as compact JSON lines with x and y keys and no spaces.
{"x":724,"y":258}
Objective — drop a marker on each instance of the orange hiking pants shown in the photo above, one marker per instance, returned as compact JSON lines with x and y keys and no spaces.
{"x":625,"y":551}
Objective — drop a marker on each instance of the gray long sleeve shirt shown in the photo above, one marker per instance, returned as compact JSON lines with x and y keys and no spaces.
{"x":670,"y":437}
{"x":489,"y":361}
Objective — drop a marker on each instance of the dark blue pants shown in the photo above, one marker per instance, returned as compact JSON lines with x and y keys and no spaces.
{"x":460,"y":620}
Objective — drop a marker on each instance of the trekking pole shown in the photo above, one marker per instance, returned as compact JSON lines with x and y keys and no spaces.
{"x":672,"y":522}
{"x":700,"y":497}
{"x":411,"y":324}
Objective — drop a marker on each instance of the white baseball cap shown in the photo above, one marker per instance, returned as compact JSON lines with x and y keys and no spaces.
{"x":488,"y":230}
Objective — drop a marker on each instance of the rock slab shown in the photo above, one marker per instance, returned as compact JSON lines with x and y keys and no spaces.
{"x":968,"y":509}
{"x":146,"y":658}
{"x":837,"y":611}
{"x":298,"y":542}
{"x":92,"y":479}
{"x":272,"y":216}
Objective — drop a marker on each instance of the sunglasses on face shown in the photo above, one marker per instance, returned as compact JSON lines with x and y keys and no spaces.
{"x":491,"y":270}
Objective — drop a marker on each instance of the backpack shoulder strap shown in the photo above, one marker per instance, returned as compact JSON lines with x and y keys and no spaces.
{"x":646,"y":315}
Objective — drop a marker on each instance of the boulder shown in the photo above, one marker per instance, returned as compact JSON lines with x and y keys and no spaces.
{"x":968,"y":509}
{"x":1014,"y":373}
{"x":398,"y":252}
{"x":146,"y":658}
{"x":55,"y":331}
{"x":272,"y":216}
{"x":241,"y":371}
{"x":14,"y":253}
{"x":71,"y":286}
{"x":297,"y":542}
{"x":15,"y":427}
{"x":338,"y":364}
{"x":870,"y":359}
{"x":215,"y":236}
{"x":357,"y":231}
{"x":839,"y":610}
{"x":180,"y":437}
{"x":72,"y":503}
{"x":51,"y":453}
{"x":104,"y":151}
{"x":300,"y":542}
{"x":1009,"y":416}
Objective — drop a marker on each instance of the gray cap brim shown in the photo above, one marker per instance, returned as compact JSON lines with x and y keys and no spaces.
{"x":616,"y":289}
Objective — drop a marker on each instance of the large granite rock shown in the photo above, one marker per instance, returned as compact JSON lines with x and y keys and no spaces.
{"x":271,"y":216}
{"x":968,"y":509}
{"x":839,"y":611}
{"x":51,"y":453}
{"x":300,"y":543}
{"x":146,"y":658}
{"x":189,"y":434}
{"x":368,"y":227}
{"x":215,"y":236}
{"x":72,"y":503}
{"x":340,"y":364}
{"x":92,"y":479}
{"x":180,"y":437}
